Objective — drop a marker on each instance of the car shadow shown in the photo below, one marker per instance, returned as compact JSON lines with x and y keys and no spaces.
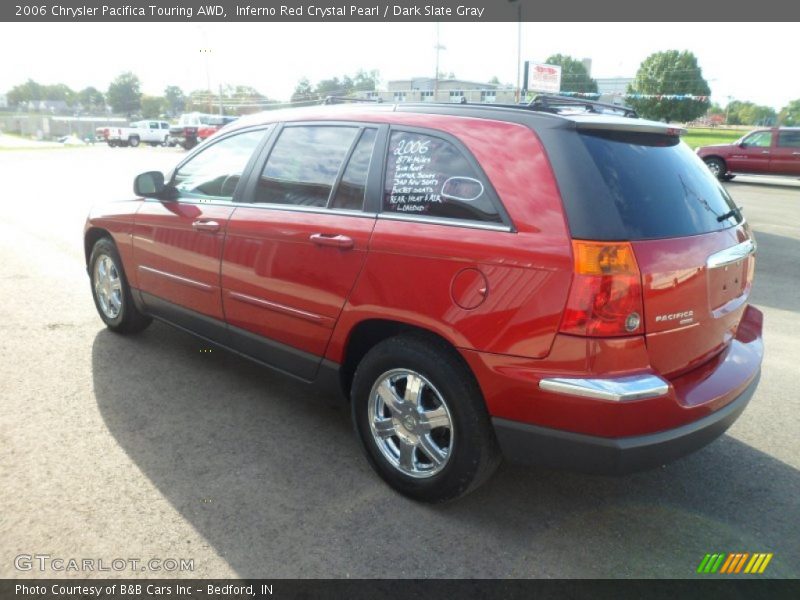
{"x":273,"y":478}
{"x":777,"y":272}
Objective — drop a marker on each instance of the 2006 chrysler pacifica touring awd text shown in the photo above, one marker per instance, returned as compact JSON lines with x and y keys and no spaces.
{"x":564,"y":287}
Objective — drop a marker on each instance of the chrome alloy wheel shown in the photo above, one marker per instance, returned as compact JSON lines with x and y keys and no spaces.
{"x":410,"y":423}
{"x":715,"y":168}
{"x":107,"y":286}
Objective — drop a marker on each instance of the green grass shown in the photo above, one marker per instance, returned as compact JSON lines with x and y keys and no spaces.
{"x":705,"y":137}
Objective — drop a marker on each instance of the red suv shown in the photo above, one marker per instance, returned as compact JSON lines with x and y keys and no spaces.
{"x":773,"y":151}
{"x":567,"y":289}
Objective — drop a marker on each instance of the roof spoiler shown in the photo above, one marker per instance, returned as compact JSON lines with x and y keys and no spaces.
{"x":618,"y":123}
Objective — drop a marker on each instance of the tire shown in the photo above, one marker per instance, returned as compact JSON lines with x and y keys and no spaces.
{"x":111,"y":292}
{"x":717,"y":167}
{"x":427,"y":463}
{"x":133,"y":141}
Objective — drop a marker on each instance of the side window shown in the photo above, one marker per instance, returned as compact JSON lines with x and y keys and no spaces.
{"x":164,"y":125}
{"x":153,"y":124}
{"x":789,"y":139}
{"x":350,"y":192}
{"x":760,"y":139}
{"x":216,"y":170}
{"x":429,"y":176}
{"x":303,"y":165}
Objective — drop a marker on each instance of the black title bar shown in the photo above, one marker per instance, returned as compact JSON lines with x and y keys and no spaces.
{"x":394,"y":10}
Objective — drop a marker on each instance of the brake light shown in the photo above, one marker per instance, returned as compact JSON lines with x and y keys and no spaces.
{"x":605,"y":298}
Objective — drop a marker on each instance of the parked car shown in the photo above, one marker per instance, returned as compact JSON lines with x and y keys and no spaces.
{"x":193,"y":128}
{"x":154,"y":133}
{"x":774,"y":151}
{"x":564,"y":289}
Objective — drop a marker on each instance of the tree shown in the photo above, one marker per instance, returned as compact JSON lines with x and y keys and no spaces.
{"x":790,"y":114}
{"x":175,"y":99}
{"x":153,"y":106}
{"x":124,"y":94}
{"x":29,"y":91}
{"x":366,"y":81}
{"x":670,"y":73}
{"x":749,"y":113}
{"x":303,"y":91}
{"x":59,"y":92}
{"x":91,"y":99}
{"x":574,"y":76}
{"x":334,"y":87}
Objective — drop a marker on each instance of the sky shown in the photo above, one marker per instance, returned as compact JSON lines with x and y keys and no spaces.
{"x":272,"y":57}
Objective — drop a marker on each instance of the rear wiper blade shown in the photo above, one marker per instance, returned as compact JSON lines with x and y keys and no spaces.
{"x":731,"y":213}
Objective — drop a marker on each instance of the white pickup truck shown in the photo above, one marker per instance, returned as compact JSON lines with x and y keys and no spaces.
{"x":155,"y":133}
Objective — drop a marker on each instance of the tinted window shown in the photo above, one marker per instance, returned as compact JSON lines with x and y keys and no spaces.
{"x":789,"y":139}
{"x":216,"y":170}
{"x":657,"y":185}
{"x":429,"y":176}
{"x":303,"y":165}
{"x":350,"y":192}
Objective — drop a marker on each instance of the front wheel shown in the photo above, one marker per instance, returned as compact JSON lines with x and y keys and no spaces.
{"x":717,"y":167}
{"x":422,"y":420}
{"x":111,"y":292}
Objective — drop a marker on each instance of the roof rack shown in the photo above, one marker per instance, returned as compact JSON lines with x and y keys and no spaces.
{"x":555,"y":104}
{"x":345,"y":99}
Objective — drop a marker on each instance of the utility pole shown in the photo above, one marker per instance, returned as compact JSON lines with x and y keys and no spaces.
{"x":518,"y":93}
{"x":438,"y":47}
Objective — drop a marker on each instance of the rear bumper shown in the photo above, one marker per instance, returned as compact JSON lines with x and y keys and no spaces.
{"x":531,"y":444}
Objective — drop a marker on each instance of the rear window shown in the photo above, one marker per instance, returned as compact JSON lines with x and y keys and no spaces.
{"x":658,"y":187}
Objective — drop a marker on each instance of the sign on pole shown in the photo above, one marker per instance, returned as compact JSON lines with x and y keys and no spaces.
{"x":541,"y":77}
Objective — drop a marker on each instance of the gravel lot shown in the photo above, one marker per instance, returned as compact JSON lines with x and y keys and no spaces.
{"x":146,"y":447}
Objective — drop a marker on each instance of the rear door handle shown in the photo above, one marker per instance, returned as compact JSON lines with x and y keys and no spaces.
{"x":339,"y":241}
{"x":203,"y":225}
{"x":765,"y":152}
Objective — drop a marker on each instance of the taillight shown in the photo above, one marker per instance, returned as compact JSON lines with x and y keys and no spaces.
{"x":606,"y":294}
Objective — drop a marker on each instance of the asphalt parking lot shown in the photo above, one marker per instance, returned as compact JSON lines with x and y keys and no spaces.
{"x":146,"y":447}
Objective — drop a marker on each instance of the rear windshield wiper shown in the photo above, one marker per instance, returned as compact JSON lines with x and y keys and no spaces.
{"x":731,"y":213}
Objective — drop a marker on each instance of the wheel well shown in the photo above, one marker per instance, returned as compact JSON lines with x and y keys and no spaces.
{"x":90,"y":239}
{"x":368,"y":333}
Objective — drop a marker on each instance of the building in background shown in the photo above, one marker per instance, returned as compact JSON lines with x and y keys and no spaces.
{"x":426,"y":89}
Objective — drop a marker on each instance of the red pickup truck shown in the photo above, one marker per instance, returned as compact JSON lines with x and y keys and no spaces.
{"x":773,"y":151}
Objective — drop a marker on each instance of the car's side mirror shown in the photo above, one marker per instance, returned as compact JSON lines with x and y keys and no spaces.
{"x":742,"y":144}
{"x":151,"y":185}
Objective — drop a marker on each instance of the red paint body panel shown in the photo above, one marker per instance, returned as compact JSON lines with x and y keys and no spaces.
{"x":676,"y":280}
{"x":175,"y":262}
{"x":296,"y":287}
{"x":117,"y":219}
